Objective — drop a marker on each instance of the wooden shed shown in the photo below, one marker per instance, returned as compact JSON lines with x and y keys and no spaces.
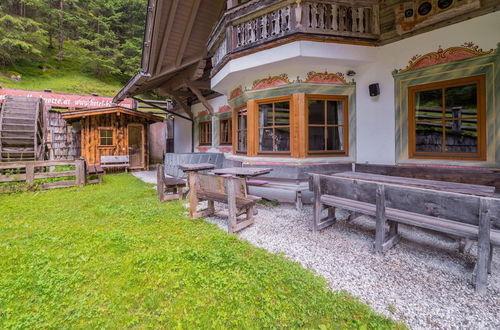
{"x":114,"y":131}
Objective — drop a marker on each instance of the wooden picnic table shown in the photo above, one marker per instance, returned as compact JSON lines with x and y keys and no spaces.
{"x":461,"y":188}
{"x":196,"y":167}
{"x":242,"y":172}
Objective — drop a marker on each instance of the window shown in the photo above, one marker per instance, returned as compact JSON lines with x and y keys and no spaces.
{"x":447,"y":119}
{"x":205,"y":133}
{"x":225,"y":131}
{"x":274,"y":127}
{"x":241,"y":133}
{"x":105,"y":137}
{"x":327,"y":125}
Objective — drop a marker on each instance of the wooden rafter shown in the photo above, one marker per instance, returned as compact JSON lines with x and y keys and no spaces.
{"x":181,"y":102}
{"x":187,"y":32}
{"x":168,"y":29}
{"x":200,"y":97}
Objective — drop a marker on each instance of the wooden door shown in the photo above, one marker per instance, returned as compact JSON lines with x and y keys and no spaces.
{"x":136,"y":145}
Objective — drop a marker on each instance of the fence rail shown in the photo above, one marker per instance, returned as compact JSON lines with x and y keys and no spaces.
{"x":30,"y":171}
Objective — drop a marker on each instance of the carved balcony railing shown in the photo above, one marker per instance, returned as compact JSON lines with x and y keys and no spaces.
{"x":248,"y":27}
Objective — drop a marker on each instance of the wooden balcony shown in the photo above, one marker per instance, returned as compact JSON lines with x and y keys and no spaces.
{"x":255,"y":23}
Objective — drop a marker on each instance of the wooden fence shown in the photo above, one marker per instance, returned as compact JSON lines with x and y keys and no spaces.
{"x":28,"y":172}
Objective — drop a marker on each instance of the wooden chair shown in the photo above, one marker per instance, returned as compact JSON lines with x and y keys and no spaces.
{"x":168,"y":188}
{"x":229,"y":190}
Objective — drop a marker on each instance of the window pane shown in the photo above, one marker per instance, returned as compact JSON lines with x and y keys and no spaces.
{"x":106,"y":137}
{"x":282,"y":114}
{"x":461,"y":135}
{"x":316,"y":138}
{"x":429,"y":136}
{"x":461,"y":101}
{"x":265,"y":115}
{"x":266,"y":139}
{"x":335,"y":112}
{"x":335,"y":138}
{"x":429,"y":104}
{"x":242,"y":119}
{"x":242,"y":140}
{"x":282,"y":139}
{"x":316,"y":112}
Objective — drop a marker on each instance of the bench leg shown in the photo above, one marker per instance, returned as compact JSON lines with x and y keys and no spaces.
{"x":483,"y":248}
{"x":490,"y":259}
{"x":319,"y":223}
{"x":298,"y":201}
{"x":381,"y":220}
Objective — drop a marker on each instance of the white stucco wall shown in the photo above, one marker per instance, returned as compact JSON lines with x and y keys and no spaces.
{"x":182,"y":135}
{"x":375,"y":117}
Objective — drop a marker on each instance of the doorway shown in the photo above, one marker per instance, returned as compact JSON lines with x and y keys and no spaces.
{"x":136,"y":145}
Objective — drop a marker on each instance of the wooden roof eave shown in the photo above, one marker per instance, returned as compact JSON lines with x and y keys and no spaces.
{"x":165,"y":57}
{"x":97,"y":112}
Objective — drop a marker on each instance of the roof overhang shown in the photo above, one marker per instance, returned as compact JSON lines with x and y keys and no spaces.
{"x":174,"y":58}
{"x":103,"y":111}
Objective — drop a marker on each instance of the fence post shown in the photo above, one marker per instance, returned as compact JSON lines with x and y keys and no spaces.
{"x":80,"y":174}
{"x":30,"y":174}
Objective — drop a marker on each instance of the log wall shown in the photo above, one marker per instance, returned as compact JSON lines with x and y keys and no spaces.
{"x":90,"y":142}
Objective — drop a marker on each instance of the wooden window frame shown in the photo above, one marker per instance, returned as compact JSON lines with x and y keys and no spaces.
{"x":113,"y":140}
{"x":237,"y":130}
{"x":229,"y":131}
{"x":256,"y":126}
{"x":480,"y":155}
{"x":320,"y":97}
{"x":208,"y":134}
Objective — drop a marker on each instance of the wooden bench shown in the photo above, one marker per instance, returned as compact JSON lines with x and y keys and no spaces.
{"x":460,"y":215}
{"x":115,"y":162}
{"x":168,"y":188}
{"x":229,"y":190}
{"x":97,"y":170}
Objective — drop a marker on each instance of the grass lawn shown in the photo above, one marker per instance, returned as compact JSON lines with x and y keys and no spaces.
{"x":112,"y":256}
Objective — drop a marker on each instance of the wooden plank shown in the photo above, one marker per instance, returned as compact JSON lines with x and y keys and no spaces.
{"x":381,"y":219}
{"x":483,"y":248}
{"x":30,"y":174}
{"x":196,"y":167}
{"x":81,"y":175}
{"x":231,"y":202}
{"x":484,"y":177}
{"x":471,"y":189}
{"x":243,"y":171}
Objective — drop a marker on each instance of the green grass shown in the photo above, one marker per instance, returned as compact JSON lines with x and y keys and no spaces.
{"x":112,"y":256}
{"x":67,"y":76}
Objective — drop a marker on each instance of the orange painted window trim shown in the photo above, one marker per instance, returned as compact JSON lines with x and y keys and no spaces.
{"x":480,"y":155}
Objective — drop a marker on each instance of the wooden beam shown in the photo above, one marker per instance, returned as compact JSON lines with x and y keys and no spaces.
{"x":178,"y":81}
{"x":182,"y":103}
{"x":200,"y":97}
{"x":166,"y":35}
{"x":187,"y":32}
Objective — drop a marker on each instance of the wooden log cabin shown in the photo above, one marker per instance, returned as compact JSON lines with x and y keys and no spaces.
{"x":113,"y":131}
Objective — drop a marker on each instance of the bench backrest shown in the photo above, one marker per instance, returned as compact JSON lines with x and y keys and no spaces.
{"x":447,"y":205}
{"x":106,"y":160}
{"x":217,"y":184}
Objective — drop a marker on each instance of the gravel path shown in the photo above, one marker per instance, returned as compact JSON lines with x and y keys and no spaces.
{"x":423,"y":281}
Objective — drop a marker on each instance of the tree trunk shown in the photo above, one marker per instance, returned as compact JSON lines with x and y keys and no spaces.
{"x":61,"y":32}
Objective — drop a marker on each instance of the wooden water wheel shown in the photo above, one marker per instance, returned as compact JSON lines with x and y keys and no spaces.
{"x":22,"y":129}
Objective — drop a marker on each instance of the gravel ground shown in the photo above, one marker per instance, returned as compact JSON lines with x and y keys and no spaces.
{"x":423,"y":281}
{"x":146,"y":176}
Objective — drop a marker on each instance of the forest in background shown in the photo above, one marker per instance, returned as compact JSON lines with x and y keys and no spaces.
{"x":89,"y":40}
